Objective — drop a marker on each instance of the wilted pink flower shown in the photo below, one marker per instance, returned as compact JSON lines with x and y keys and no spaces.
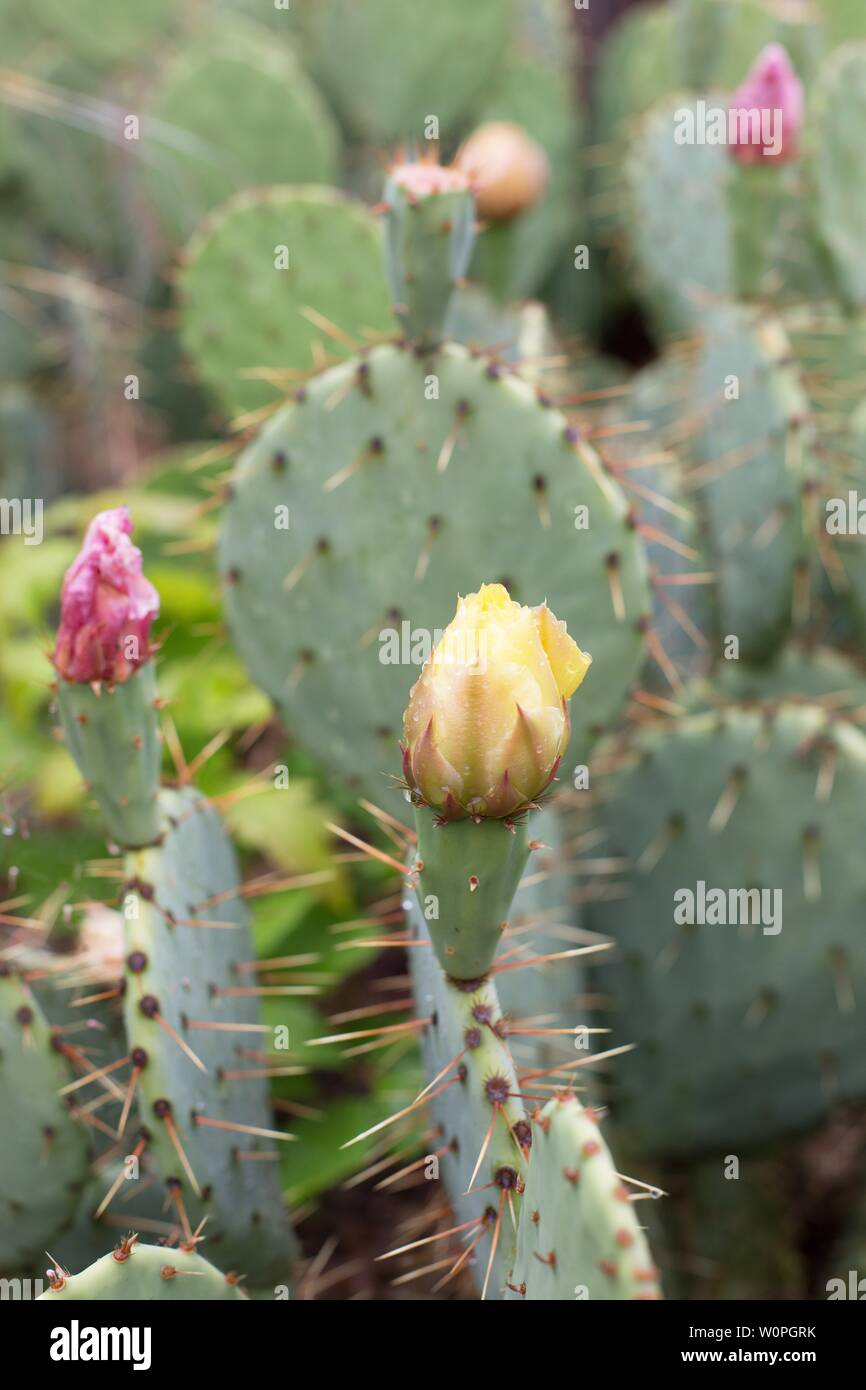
{"x":106,"y":607}
{"x":766,"y":112}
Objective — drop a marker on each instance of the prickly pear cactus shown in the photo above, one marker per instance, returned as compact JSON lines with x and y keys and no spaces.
{"x":327,"y":294}
{"x":343,"y":468}
{"x":145,"y":1273}
{"x":498,"y":1155}
{"x":758,"y":802}
{"x":111,"y":730}
{"x":104,"y":35}
{"x":534,"y":88}
{"x":474,"y":1093}
{"x":389,"y":70}
{"x":835,"y":159}
{"x":428,"y":245}
{"x":544,"y":921}
{"x":702,"y":226}
{"x":280,"y":130}
{"x":579,"y":1237}
{"x":674,"y":529}
{"x":753,"y":465}
{"x":799,"y":673}
{"x":678,"y":221}
{"x":45,"y":1153}
{"x":205,"y":1105}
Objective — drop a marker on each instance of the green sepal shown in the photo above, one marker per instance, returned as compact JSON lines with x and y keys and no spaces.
{"x":469,"y":877}
{"x":112,"y":733}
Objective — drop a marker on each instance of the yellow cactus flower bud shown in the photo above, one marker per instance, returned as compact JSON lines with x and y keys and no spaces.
{"x":487,"y":721}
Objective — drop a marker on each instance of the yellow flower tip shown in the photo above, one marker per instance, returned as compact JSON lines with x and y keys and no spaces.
{"x":493,"y":596}
{"x":568,"y":663}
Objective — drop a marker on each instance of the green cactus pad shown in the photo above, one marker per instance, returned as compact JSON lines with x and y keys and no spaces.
{"x":463,"y":1030}
{"x":579,"y":1236}
{"x":279,"y":129}
{"x":699,"y":32}
{"x":44,"y":1154}
{"x":238,"y":312}
{"x":684,"y":618}
{"x":534,"y":88}
{"x":761,"y":244}
{"x":389,"y":67}
{"x":107,"y":34}
{"x":717,"y":41}
{"x":545,"y":920}
{"x":678,"y":220}
{"x":112,"y":734}
{"x":76,"y":173}
{"x":350,"y":461}
{"x":177,"y":971}
{"x":799,"y":672}
{"x":836,"y":166}
{"x":470,"y":875}
{"x":636,"y":69}
{"x":752,"y":453}
{"x":147,"y":1273}
{"x":742,"y":1033}
{"x":519,"y":334}
{"x":848,"y":540}
{"x":428,"y":244}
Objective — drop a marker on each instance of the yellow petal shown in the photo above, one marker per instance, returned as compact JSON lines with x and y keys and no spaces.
{"x":567,"y":662}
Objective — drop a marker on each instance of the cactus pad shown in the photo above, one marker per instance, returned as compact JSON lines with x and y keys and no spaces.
{"x":44,"y":1153}
{"x":579,"y":1237}
{"x":679,"y":228}
{"x":545,"y":920}
{"x":388,"y":68}
{"x":350,"y":461}
{"x":238,"y":311}
{"x":146,"y":1273}
{"x":111,"y":733}
{"x":534,"y":88}
{"x":471,"y":871}
{"x":836,"y":159}
{"x":106,"y":34}
{"x":463,"y":1031}
{"x":279,"y":131}
{"x":743,"y":1031}
{"x":178,"y":976}
{"x":428,"y":244}
{"x":753,"y":461}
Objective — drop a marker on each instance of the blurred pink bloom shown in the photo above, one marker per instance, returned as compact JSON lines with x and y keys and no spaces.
{"x":106,"y":607}
{"x":423,"y":178}
{"x":770,"y":110}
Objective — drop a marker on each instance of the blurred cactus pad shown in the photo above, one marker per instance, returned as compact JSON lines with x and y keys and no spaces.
{"x":358,"y":308}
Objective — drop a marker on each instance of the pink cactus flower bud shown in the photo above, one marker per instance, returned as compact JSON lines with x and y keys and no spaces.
{"x":766,"y":112}
{"x":424,"y":178}
{"x":106,"y":607}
